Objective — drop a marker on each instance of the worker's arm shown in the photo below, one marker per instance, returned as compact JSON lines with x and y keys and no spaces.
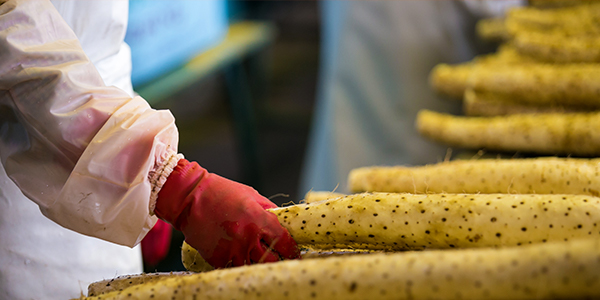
{"x":89,"y":155}
{"x":94,"y":159}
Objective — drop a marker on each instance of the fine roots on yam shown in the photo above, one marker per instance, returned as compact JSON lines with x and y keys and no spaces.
{"x":315,"y":196}
{"x":542,"y":271}
{"x":548,"y":175}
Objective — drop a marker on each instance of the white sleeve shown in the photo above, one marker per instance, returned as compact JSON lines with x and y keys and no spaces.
{"x":90,"y":156}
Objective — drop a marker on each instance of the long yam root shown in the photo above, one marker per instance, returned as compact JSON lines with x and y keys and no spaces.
{"x":453,"y":80}
{"x":390,"y":221}
{"x":551,"y":175}
{"x":572,"y":134}
{"x":542,"y":271}
{"x":490,"y":104}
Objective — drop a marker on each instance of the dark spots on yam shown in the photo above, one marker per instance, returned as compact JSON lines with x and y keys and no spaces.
{"x":352,"y":287}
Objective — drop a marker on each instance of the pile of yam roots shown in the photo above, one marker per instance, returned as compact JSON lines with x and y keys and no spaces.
{"x":538,"y":93}
{"x":519,"y":228}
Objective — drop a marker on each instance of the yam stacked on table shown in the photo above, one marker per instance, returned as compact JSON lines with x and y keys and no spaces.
{"x":478,"y":229}
{"x":538,"y":94}
{"x":475,"y":229}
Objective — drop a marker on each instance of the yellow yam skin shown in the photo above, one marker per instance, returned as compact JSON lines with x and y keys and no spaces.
{"x":192,"y":260}
{"x":388,"y":221}
{"x":549,"y":175}
{"x":122,"y":282}
{"x":189,"y":254}
{"x":315,"y":196}
{"x":544,"y":271}
{"x":558,"y":3}
{"x":572,"y":21}
{"x":542,"y":84}
{"x":556,"y":48}
{"x":493,"y":29}
{"x":553,"y":134}
{"x":490,"y":104}
{"x":453,"y":80}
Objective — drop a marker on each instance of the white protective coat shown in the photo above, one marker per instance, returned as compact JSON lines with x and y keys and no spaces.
{"x":377,"y":56}
{"x":91,"y":156}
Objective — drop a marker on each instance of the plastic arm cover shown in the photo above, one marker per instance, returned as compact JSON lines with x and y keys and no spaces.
{"x":90,"y":156}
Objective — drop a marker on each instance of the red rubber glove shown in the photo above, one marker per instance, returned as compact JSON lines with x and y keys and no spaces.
{"x":224,"y":220}
{"x":156,"y":244}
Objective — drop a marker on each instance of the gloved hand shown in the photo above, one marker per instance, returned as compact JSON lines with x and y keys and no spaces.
{"x":156,"y":244}
{"x":224,"y":220}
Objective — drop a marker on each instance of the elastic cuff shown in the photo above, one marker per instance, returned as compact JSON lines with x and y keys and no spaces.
{"x":159,"y":176}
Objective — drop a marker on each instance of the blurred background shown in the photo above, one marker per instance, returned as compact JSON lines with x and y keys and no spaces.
{"x":241,"y":87}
